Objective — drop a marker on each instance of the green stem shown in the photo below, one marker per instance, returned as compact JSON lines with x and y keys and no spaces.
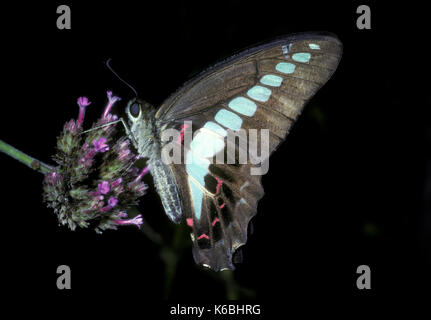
{"x":151,"y":233}
{"x":24,"y":158}
{"x":171,"y":255}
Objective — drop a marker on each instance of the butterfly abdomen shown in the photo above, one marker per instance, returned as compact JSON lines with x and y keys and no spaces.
{"x":166,"y":186}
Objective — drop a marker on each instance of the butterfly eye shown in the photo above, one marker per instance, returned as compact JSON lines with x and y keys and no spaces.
{"x":135,"y":109}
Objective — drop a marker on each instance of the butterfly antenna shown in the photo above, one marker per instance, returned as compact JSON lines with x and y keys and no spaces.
{"x":119,"y":78}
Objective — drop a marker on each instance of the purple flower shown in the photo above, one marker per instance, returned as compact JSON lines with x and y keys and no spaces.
{"x":123,"y":154}
{"x":111,"y":101}
{"x":53,"y":177}
{"x":103,"y":188}
{"x":82,"y":103}
{"x":143,"y":173}
{"x":71,"y":126}
{"x":117,"y":182}
{"x":110,"y":117}
{"x":112,"y":202}
{"x":136,"y":221}
{"x":100,"y":145}
{"x":124,"y":144}
{"x":85,"y":147}
{"x":122,"y":215}
{"x":141,"y":187}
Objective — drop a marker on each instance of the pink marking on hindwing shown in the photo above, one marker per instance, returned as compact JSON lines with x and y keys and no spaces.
{"x":181,"y":136}
{"x":189,"y":222}
{"x":215,"y":221}
{"x":222,"y":205}
{"x":219,"y":184}
{"x":203,"y":235}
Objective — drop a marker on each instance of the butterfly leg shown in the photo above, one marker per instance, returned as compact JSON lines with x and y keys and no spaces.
{"x":132,"y":163}
{"x":126,"y":127}
{"x":102,"y":126}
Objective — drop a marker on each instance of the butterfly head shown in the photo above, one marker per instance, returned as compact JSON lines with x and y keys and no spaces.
{"x":138,"y":110}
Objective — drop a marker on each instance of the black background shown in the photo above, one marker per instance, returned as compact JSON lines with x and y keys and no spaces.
{"x":347,"y":188}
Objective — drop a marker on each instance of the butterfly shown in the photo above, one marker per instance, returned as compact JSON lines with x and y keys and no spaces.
{"x":262,"y":88}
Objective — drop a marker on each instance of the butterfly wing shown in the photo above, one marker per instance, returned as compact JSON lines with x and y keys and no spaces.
{"x":265,"y":87}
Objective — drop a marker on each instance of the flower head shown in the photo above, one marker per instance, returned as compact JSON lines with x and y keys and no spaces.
{"x":94,"y":180}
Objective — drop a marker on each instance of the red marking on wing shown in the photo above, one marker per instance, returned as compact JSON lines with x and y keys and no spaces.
{"x":219,"y":184}
{"x":222,"y":205}
{"x":215,"y":221}
{"x":189,"y":222}
{"x":181,"y":136}
{"x":203,"y":235}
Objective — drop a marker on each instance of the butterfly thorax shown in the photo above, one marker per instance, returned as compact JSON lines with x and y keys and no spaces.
{"x":144,"y":131}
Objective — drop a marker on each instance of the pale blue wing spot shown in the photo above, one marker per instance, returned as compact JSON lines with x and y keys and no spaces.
{"x":301,"y":57}
{"x":214,"y":127}
{"x":206,"y":145}
{"x":271,"y":80}
{"x":314,"y":46}
{"x":197,"y":167}
{"x":228,"y":119}
{"x":197,"y":197}
{"x":259,"y":93}
{"x":285,"y":67}
{"x":243,"y":105}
